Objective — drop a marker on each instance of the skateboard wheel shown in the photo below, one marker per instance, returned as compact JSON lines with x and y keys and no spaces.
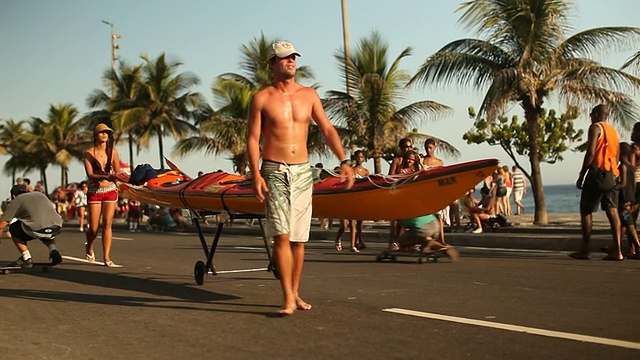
{"x":199,"y":270}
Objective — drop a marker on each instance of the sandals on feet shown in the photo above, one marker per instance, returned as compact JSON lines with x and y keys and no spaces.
{"x":338,"y":246}
{"x":90,"y":257}
{"x":110,"y":264}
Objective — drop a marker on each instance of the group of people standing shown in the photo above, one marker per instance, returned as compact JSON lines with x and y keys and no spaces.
{"x":610,"y":178}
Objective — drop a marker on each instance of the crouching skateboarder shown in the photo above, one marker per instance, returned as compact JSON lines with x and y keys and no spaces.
{"x":425,"y":231}
{"x":31,"y":216}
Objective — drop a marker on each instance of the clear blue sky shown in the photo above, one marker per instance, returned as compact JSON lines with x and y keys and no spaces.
{"x":56,"y":52}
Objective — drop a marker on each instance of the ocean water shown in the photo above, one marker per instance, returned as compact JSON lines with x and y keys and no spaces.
{"x":560,"y":199}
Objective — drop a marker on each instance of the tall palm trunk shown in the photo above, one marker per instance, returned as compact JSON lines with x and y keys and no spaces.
{"x":161,"y":149}
{"x":532,"y":114}
{"x":377,"y":165}
{"x":130,"y":152}
{"x":43,"y":178}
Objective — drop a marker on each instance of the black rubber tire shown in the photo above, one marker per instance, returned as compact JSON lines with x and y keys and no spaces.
{"x":199,"y":271}
{"x":272,"y":267}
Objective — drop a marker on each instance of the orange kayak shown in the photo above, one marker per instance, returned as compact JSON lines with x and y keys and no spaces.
{"x":376,"y":197}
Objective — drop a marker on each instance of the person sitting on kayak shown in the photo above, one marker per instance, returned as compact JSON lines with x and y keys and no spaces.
{"x":424,"y":231}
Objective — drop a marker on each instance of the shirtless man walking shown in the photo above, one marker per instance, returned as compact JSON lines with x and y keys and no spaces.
{"x":280,"y":113}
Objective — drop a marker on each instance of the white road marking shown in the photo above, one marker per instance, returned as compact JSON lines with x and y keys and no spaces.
{"x":247,"y":248}
{"x":72,"y":258}
{"x":506,"y":249}
{"x":516,"y":328}
{"x":240,"y":271}
{"x":116,"y":238}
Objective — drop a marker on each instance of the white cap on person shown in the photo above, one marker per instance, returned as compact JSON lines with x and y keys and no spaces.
{"x":282,"y":49}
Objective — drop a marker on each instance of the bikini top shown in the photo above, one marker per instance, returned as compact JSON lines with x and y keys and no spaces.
{"x":97,"y":167}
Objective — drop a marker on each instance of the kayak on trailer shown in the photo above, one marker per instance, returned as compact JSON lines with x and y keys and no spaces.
{"x":375,"y":197}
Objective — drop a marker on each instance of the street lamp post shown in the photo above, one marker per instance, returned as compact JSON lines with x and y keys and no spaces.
{"x":114,"y":56}
{"x":345,"y":37}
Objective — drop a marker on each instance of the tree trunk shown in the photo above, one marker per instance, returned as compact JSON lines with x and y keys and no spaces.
{"x":161,"y":149}
{"x":533,"y":121}
{"x":43,"y":176}
{"x":130,"y":153}
{"x":377,"y":165}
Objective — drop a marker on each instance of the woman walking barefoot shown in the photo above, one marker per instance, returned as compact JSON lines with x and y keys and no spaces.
{"x":101,"y":163}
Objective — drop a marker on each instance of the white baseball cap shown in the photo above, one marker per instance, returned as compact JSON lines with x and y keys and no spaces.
{"x":282,"y":49}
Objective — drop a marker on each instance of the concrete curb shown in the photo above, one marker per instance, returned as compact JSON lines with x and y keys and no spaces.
{"x":520,"y":238}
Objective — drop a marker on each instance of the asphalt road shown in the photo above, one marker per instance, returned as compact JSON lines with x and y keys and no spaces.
{"x":490,"y":305}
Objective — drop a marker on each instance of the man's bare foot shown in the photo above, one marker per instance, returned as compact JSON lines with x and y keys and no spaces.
{"x":302,"y":305}
{"x":287,"y":310}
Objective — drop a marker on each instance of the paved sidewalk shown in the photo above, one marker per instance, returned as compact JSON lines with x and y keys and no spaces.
{"x":562,"y":233}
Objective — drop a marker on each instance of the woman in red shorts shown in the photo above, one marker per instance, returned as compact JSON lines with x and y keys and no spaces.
{"x":102,"y":163}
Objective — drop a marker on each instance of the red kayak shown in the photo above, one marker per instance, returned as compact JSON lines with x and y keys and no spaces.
{"x":376,"y":197}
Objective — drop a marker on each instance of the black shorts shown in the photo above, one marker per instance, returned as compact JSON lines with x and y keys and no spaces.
{"x":17,"y":232}
{"x":591,"y":196}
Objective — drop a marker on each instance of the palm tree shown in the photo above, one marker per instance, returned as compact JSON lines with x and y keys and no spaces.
{"x":226,"y":127}
{"x":526,"y":57}
{"x":165,"y":105}
{"x":370,"y":112}
{"x":59,"y":140}
{"x":254,"y":63}
{"x":224,"y":130}
{"x":12,"y":144}
{"x":123,"y":110}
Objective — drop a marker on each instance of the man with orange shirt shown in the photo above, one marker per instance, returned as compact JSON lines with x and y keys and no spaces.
{"x":603,"y":147}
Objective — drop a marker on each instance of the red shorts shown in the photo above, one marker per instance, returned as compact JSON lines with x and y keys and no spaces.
{"x":98,"y":196}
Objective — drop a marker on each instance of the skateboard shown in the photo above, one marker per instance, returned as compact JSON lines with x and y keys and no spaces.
{"x":8,"y":269}
{"x":392,"y":255}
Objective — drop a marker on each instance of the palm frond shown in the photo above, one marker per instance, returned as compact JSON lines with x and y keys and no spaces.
{"x":633,"y":63}
{"x":597,"y":41}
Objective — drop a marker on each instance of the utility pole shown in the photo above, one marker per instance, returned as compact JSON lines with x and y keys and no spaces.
{"x":114,"y":57}
{"x":345,"y":37}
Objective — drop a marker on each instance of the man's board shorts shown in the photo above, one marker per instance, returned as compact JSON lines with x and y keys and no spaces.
{"x":518,"y":194}
{"x":592,"y":196}
{"x":20,"y":231}
{"x":422,"y":227}
{"x":288,"y":203}
{"x":104,"y":194}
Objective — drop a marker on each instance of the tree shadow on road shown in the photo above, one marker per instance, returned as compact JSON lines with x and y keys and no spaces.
{"x":183,"y":296}
{"x":135,"y":301}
